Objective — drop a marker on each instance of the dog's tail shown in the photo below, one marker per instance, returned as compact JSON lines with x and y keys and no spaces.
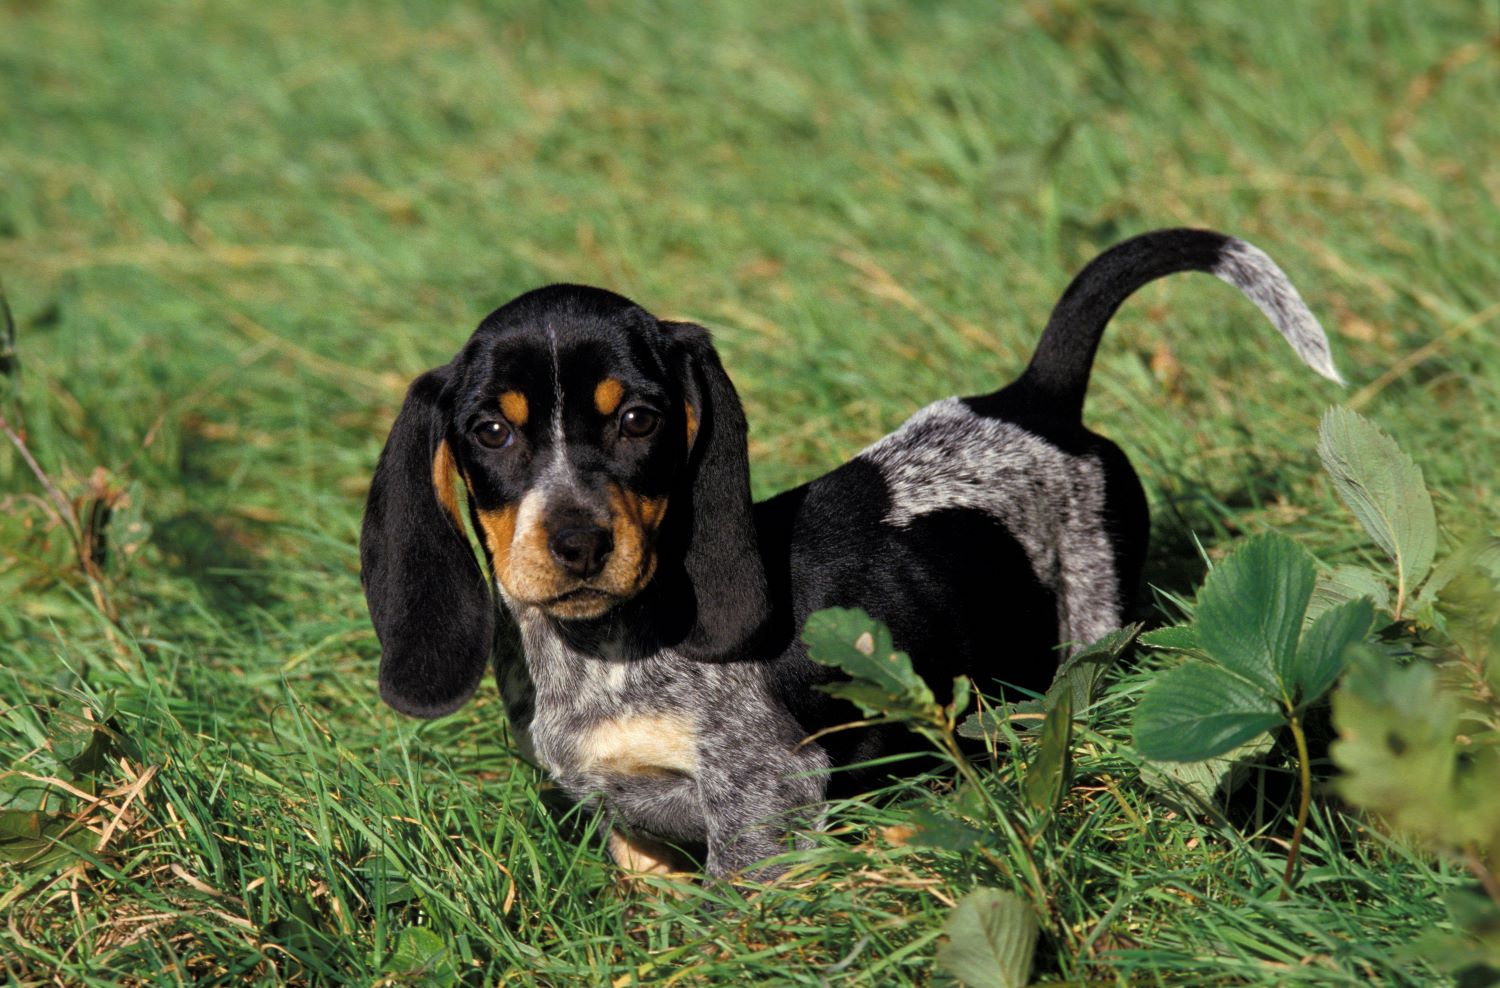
{"x":1059,"y":369}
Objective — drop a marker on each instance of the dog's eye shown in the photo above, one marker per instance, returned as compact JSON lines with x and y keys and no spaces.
{"x":493,"y":434}
{"x":639,"y":422}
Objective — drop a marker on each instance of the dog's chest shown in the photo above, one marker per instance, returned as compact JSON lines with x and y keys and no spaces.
{"x":602,"y":715}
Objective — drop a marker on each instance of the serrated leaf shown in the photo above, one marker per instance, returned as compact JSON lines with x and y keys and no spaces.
{"x":1320,"y":657}
{"x":991,"y":938}
{"x":1080,"y":673}
{"x":1178,"y":638}
{"x":1204,"y":782}
{"x":1384,"y":489}
{"x":1346,"y":583}
{"x":1250,"y":610}
{"x":883,"y":679}
{"x":1197,"y":711}
{"x":1049,"y":773}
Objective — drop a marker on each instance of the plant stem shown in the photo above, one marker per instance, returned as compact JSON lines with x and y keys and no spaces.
{"x":1305,"y":774}
{"x":1487,"y":878}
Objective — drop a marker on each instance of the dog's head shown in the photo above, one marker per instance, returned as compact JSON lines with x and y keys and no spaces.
{"x":601,"y":449}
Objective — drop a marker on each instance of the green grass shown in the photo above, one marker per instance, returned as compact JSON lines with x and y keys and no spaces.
{"x":231,"y":233}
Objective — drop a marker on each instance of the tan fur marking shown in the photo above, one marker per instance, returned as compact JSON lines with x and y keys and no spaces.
{"x":499,"y":527}
{"x":637,"y":855}
{"x":692,"y":423}
{"x":518,"y":540}
{"x":633,"y":523}
{"x":444,"y":482}
{"x":608,"y":394}
{"x":642,"y":744}
{"x":513,"y":406}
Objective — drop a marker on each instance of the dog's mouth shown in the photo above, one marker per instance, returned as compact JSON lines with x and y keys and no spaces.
{"x":579,"y":603}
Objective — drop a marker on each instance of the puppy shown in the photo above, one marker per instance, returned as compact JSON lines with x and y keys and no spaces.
{"x":644,"y":615}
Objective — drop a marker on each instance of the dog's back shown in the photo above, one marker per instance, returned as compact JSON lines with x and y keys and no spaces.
{"x":993,"y":533}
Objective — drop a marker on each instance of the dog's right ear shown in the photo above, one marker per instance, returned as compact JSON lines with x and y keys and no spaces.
{"x":722,"y":561}
{"x":428,"y":598}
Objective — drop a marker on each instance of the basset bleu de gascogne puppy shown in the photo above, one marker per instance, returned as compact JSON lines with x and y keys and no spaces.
{"x":644,"y":615}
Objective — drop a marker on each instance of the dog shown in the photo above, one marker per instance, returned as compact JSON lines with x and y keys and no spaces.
{"x":644,"y":615}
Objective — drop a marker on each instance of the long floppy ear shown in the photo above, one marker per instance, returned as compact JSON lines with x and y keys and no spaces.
{"x":428,"y":598}
{"x":722,"y":560}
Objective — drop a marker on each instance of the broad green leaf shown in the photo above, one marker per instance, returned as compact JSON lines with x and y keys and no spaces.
{"x":1049,"y":773}
{"x":1022,"y":716}
{"x":421,"y":952}
{"x":925,"y":829}
{"x":991,"y":938}
{"x":32,"y":841}
{"x":1482,"y":555}
{"x":1197,"y":711}
{"x":1250,"y":610}
{"x":1178,"y":638}
{"x":1468,"y":583}
{"x":1080,"y":673}
{"x":1320,"y":658}
{"x":1398,"y":752}
{"x":963,"y":689}
{"x":1346,"y":583}
{"x":884,"y":681}
{"x":1384,"y":488}
{"x":1204,"y":782}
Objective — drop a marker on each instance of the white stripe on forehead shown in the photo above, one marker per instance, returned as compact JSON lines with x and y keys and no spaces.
{"x":557,"y":391}
{"x":559,"y":470}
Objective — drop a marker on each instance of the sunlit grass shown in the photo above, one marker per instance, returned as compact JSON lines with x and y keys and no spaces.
{"x":231,"y":234}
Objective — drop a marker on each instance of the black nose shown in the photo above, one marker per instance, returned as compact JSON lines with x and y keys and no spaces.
{"x":581,"y":551}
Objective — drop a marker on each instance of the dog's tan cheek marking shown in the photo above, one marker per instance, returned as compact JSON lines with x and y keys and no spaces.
{"x":530,"y":573}
{"x":692,"y":423}
{"x":608,"y":394}
{"x":514,"y":407}
{"x":444,"y":482}
{"x":642,"y":744}
{"x":634,"y":523}
{"x":499,"y":527}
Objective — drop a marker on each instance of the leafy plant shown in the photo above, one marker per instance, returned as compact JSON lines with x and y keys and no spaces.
{"x":992,"y":933}
{"x":991,"y":939}
{"x":1384,"y":489}
{"x":1419,"y":744}
{"x":1255,"y":668}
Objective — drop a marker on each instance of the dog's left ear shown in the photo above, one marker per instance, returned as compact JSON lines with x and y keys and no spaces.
{"x":428,"y":598}
{"x":722,"y":559}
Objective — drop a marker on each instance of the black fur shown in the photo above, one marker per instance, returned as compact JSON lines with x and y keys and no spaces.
{"x":428,"y":599}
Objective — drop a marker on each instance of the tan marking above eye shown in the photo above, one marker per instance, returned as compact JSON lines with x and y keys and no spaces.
{"x":608,"y":394}
{"x":444,"y":482}
{"x":641,"y":744}
{"x":692,"y":423}
{"x":513,"y":406}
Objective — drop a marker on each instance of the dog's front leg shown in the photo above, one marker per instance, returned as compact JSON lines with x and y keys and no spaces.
{"x":752,"y":795}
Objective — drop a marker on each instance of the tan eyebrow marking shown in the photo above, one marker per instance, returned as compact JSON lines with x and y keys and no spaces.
{"x":608,"y":394}
{"x":444,"y":482}
{"x":513,"y":405}
{"x":692,"y":423}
